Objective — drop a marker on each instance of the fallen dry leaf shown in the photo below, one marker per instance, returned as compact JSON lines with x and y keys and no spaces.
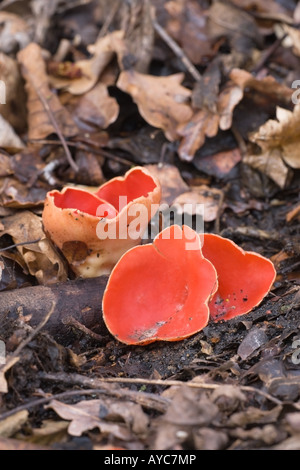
{"x":8,"y":138}
{"x":33,"y":69}
{"x":41,"y":259}
{"x":13,"y":424}
{"x":203,"y":195}
{"x":206,"y":123}
{"x":91,"y":69}
{"x":187,"y":23}
{"x":110,"y":417}
{"x":162,"y":101}
{"x":219,"y":164}
{"x":96,"y":108}
{"x":293,"y":213}
{"x":266,"y":86}
{"x":14,"y":34}
{"x":279,"y":143}
{"x":203,"y":124}
{"x":294,"y":36}
{"x":171,"y":182}
{"x":14,"y":109}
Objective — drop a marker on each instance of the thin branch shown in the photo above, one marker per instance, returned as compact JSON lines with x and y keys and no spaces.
{"x":86,"y":148}
{"x":86,"y":381}
{"x":14,"y":357}
{"x":177,"y":51}
{"x":70,"y":321}
{"x":57,"y":129}
{"x":10,"y":247}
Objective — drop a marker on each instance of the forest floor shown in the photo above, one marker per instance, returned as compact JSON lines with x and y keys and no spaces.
{"x":203,"y":94}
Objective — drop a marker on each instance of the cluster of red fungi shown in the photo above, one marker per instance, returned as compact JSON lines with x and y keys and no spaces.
{"x":167,"y":290}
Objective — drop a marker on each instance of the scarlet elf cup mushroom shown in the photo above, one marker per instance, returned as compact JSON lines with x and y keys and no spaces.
{"x":169,"y":290}
{"x":93,"y":230}
{"x":160,"y":291}
{"x":244,"y":277}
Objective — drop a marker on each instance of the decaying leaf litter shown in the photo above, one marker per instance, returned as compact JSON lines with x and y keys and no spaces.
{"x":201,"y":94}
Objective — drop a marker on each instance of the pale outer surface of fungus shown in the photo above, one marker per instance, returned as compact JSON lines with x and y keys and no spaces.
{"x":74,"y":232}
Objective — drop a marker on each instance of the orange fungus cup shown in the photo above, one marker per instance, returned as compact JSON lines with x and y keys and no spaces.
{"x":93,"y":230}
{"x":160,"y":291}
{"x":244,"y":277}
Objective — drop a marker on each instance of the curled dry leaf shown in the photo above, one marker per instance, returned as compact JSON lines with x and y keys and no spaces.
{"x":187,"y":23}
{"x":91,"y":69}
{"x":41,"y":259}
{"x":14,"y":33}
{"x":119,"y":419}
{"x":8,"y":138}
{"x":162,"y":101}
{"x":279,"y":143}
{"x":14,"y":109}
{"x":267,"y":85}
{"x":294,"y":36}
{"x":209,"y":197}
{"x":171,"y":182}
{"x":39,"y":123}
{"x":206,"y":123}
{"x":96,"y":108}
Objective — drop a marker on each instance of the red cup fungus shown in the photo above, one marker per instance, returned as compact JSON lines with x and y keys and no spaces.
{"x":244,"y":277}
{"x":160,"y":291}
{"x":166,"y":291}
{"x":93,"y":230}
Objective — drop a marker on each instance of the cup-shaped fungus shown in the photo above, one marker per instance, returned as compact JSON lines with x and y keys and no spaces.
{"x":244,"y":277}
{"x":160,"y":291}
{"x":93,"y":230}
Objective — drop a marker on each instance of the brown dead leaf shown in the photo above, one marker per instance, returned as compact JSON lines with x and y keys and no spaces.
{"x":39,"y":123}
{"x":189,"y":410}
{"x":238,"y":26}
{"x":96,"y":108}
{"x":187,"y":23}
{"x":91,"y":69}
{"x":294,"y":36}
{"x":41,"y":259}
{"x":206,"y":123}
{"x":293,"y":213}
{"x":14,"y":34}
{"x":266,"y":86}
{"x":8,"y":138}
{"x":12,"y":424}
{"x":110,"y":417}
{"x":203,"y":124}
{"x":279,"y":143}
{"x":162,"y":101}
{"x":171,"y":182}
{"x":219,"y":164}
{"x":14,"y":109}
{"x":49,"y":432}
{"x":208,"y":197}
{"x":17,"y":195}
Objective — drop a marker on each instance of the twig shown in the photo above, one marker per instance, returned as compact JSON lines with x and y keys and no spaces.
{"x":78,"y":379}
{"x":31,"y":242}
{"x":70,"y":321}
{"x":12,"y":358}
{"x":109,"y":19}
{"x":177,"y":51}
{"x":268,"y":54}
{"x":86,"y":148}
{"x":43,"y":401}
{"x":57,"y":129}
{"x":169,"y":383}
